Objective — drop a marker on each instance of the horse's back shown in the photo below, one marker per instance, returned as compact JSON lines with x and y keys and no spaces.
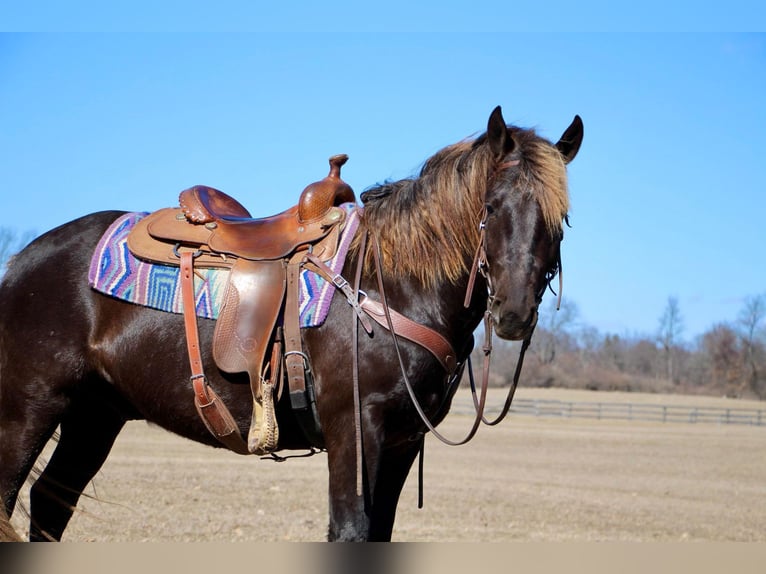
{"x":46,"y":305}
{"x":65,"y":249}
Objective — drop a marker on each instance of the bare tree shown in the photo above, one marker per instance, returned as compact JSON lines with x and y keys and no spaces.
{"x":751,"y":331}
{"x":11,"y":242}
{"x":722,"y":356}
{"x":554,"y":329}
{"x":669,"y":334}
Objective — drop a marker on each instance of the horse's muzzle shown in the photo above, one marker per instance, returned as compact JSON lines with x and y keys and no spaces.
{"x":511,"y":325}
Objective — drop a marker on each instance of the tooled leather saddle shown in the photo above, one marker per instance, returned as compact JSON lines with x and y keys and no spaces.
{"x":265,"y":257}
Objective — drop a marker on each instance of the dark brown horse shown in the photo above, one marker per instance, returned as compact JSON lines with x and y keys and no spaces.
{"x":77,"y":359}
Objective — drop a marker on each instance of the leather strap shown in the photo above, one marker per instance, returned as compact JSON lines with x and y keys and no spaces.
{"x":190,"y":317}
{"x":295,"y":360}
{"x":210,"y":407}
{"x":412,"y":331}
{"x":408,"y":385}
{"x":404,"y":327}
{"x":352,"y":296}
{"x":355,"y":369}
{"x":300,"y":383}
{"x":479,"y":259}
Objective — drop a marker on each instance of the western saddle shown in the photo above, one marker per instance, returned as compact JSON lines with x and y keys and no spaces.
{"x":265,"y":257}
{"x":258,"y":327}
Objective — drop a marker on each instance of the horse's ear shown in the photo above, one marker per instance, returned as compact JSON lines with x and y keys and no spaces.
{"x":569,"y":144}
{"x":500,"y":141}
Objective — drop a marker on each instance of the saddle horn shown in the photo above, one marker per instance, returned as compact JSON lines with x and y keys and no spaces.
{"x":318,"y":197}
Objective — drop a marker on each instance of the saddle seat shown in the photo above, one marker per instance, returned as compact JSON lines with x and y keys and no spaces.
{"x":235,"y":232}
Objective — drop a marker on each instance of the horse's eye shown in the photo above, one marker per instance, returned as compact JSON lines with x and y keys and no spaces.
{"x":489,"y":208}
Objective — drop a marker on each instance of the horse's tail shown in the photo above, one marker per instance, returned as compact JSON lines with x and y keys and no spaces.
{"x":7,"y":533}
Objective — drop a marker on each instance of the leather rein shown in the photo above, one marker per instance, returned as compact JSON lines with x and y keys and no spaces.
{"x":480,"y":266}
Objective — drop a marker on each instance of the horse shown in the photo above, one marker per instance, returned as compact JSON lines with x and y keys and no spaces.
{"x":84,"y":363}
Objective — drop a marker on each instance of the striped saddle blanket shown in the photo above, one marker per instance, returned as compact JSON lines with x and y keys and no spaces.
{"x":114,"y":271}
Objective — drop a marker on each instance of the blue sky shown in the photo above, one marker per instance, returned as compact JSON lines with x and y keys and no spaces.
{"x":668,"y":191}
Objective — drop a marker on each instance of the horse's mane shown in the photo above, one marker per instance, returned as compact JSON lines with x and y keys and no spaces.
{"x":427,"y":226}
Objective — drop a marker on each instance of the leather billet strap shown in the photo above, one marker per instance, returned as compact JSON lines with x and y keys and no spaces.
{"x":217,"y":418}
{"x":299,"y":378}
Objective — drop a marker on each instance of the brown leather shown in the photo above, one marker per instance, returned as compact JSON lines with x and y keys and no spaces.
{"x":252,"y":304}
{"x":214,"y":230}
{"x":412,"y":331}
{"x":318,"y":266}
{"x":203,"y":204}
{"x":272,"y":237}
{"x":211,"y":409}
{"x":410,"y":391}
{"x":301,"y":390}
{"x":232,"y":231}
{"x":318,"y":197}
{"x":479,"y":259}
{"x":295,"y":360}
{"x":155,"y":237}
{"x":190,"y":315}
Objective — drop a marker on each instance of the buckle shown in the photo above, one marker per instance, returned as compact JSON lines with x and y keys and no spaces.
{"x":306,"y":365}
{"x":339,"y":281}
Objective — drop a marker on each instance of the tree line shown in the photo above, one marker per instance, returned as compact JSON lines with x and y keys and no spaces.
{"x":729,"y":359}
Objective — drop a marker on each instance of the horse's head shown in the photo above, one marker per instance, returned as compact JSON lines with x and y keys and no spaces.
{"x":525,"y":207}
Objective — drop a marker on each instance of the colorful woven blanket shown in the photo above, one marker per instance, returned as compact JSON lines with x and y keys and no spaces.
{"x":116,"y":272}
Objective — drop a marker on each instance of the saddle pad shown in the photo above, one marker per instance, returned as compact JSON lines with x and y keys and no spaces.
{"x":116,"y":272}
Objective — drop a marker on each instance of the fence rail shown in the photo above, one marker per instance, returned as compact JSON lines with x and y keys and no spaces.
{"x":638,"y":412}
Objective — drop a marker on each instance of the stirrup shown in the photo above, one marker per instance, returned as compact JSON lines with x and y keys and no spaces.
{"x":263,"y":436}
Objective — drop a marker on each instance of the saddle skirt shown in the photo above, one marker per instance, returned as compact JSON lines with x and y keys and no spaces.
{"x":116,"y":272}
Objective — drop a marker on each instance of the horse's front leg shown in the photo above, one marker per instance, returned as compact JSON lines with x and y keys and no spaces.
{"x":369,"y":517}
{"x":394,"y":466}
{"x":349,"y":512}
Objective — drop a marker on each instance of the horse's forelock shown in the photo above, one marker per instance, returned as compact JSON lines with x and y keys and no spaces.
{"x":542,"y":171}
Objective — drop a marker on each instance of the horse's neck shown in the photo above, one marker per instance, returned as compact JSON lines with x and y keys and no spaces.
{"x":440,"y":308}
{"x":460,"y":321}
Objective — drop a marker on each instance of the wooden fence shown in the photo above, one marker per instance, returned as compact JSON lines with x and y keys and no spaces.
{"x":638,"y":412}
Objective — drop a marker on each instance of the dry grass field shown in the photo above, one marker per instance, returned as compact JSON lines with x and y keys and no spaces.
{"x":528,"y":479}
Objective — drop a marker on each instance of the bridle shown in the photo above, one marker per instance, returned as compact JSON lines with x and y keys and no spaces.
{"x":479,"y":266}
